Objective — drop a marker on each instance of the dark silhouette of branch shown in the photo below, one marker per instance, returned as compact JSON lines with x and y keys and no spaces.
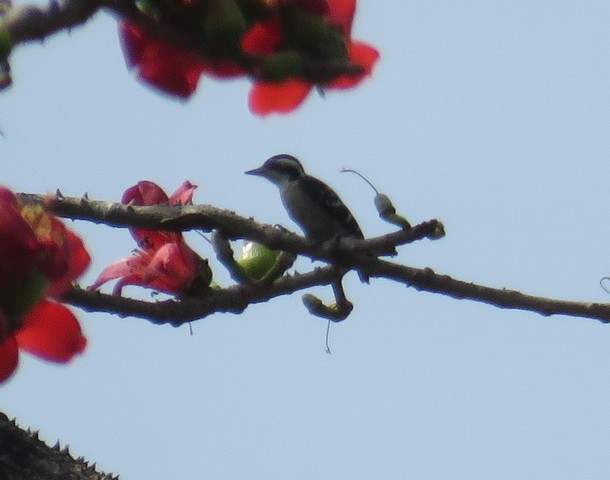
{"x":342,"y":256}
{"x":24,"y":456}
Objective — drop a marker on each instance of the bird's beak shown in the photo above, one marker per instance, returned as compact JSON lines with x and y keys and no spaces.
{"x":257,"y":171}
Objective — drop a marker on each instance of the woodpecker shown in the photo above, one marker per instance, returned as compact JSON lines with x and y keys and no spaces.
{"x":313,"y":205}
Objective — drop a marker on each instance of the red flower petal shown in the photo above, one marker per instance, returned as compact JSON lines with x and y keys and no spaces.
{"x":263,"y":38}
{"x":178,"y":77}
{"x":18,"y":241}
{"x":52,"y":332}
{"x":145,"y":192}
{"x":132,"y":42}
{"x":342,"y":14}
{"x":184,"y":194}
{"x":53,"y":250}
{"x":160,"y":64}
{"x":79,"y":257}
{"x":79,"y":260}
{"x":223,"y":70}
{"x":172,"y":268}
{"x":280,"y":97}
{"x":9,"y":357}
{"x":360,"y":54}
{"x":151,"y":240}
{"x":118,"y":269}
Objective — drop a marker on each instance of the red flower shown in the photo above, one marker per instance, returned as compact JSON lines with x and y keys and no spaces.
{"x":163,"y":261}
{"x":39,"y":257}
{"x":285,"y":96}
{"x":273,"y":41}
{"x":165,"y":66}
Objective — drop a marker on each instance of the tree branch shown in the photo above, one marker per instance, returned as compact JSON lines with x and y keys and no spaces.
{"x":235,"y":299}
{"x":344,"y":255}
{"x":36,"y":22}
{"x":427,"y":280}
{"x":23,"y":455}
{"x":231,"y":225}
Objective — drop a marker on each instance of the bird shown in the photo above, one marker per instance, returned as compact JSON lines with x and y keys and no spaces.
{"x":311,"y":204}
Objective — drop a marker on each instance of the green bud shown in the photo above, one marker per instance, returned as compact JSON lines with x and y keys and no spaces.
{"x":384,"y":205}
{"x":439,"y":231}
{"x":332,"y":312}
{"x":386,"y":210}
{"x":312,"y":303}
{"x":257,"y":260}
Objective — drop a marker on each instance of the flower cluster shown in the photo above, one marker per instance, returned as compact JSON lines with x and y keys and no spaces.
{"x":39,"y":260}
{"x":163,"y":260}
{"x":286,"y":46}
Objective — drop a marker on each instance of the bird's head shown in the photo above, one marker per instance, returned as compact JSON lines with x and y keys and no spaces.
{"x":280,"y":169}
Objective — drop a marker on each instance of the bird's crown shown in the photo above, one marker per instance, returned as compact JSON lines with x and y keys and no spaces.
{"x":286,"y":165}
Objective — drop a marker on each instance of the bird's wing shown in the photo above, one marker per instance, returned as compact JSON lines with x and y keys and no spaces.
{"x":329,"y":201}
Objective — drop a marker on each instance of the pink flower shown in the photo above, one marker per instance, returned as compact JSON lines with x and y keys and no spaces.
{"x":163,"y":261}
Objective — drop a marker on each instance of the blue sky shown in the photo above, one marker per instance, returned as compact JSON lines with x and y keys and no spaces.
{"x":491,"y":116}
